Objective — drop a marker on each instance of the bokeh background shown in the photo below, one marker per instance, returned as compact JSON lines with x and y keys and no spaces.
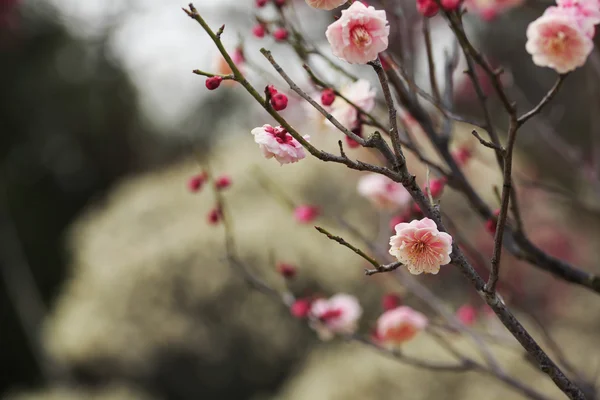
{"x":113,"y":284}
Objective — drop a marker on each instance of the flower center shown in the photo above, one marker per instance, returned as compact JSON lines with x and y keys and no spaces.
{"x":557,"y":43}
{"x":330,"y":314}
{"x":281,"y":135}
{"x":419,"y":247}
{"x":360,"y":36}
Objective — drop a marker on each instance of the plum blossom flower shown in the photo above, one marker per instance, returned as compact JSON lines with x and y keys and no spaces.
{"x":361,"y":94}
{"x":556,"y":40}
{"x":383,"y":192}
{"x":325,"y":4}
{"x":399,"y":325}
{"x":337,"y":315}
{"x":467,"y":314}
{"x":359,"y":35}
{"x":587,"y":12}
{"x":490,"y":9}
{"x":277,"y":142}
{"x":420,"y":246}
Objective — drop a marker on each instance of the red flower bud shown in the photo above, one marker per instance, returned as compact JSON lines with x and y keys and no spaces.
{"x":279,"y":101}
{"x":222,"y":182}
{"x":280,"y":34}
{"x":427,"y":8}
{"x":196,"y":182}
{"x":259,"y":31}
{"x":300,"y":308}
{"x":213,"y":82}
{"x":327,"y":97}
{"x":390,"y":301}
{"x":286,"y":270}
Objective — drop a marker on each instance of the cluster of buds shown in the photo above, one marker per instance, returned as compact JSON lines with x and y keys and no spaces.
{"x":195,"y":185}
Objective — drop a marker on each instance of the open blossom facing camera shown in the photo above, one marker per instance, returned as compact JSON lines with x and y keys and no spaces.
{"x":556,"y":40}
{"x":399,"y":325}
{"x":325,"y":4}
{"x":383,"y":192}
{"x":278,"y":143}
{"x":337,"y":315}
{"x":359,"y":35}
{"x":420,"y":246}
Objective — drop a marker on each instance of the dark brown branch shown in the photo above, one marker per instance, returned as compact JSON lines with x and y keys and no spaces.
{"x":545,"y":100}
{"x":486,"y":143}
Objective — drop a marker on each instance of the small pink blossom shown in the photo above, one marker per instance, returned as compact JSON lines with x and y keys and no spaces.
{"x":359,"y":35}
{"x":399,"y":325}
{"x":301,"y":308}
{"x":421,"y":246}
{"x":556,"y":40}
{"x":359,"y":93}
{"x":337,"y":315}
{"x":383,"y":192}
{"x":466,"y":314}
{"x":278,"y":143}
{"x":390,"y":301}
{"x":305,"y":213}
{"x":490,"y":9}
{"x":326,"y":4}
{"x":587,"y":12}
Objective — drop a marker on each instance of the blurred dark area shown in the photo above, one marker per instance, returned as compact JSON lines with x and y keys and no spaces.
{"x":70,"y":126}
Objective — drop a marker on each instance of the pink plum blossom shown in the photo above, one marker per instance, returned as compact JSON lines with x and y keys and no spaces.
{"x":557,"y":41}
{"x":359,"y":35}
{"x":420,"y":246}
{"x":326,"y":4}
{"x":337,"y":315}
{"x":399,"y":325}
{"x":490,"y":9}
{"x":587,"y":12}
{"x":306,"y":213}
{"x":466,"y":314}
{"x":361,"y":94}
{"x":278,"y":143}
{"x":383,"y":192}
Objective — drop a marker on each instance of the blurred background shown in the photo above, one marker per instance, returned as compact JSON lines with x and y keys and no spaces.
{"x":113,"y":284}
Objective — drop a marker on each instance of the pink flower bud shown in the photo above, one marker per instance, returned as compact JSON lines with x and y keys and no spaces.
{"x":286,"y":270}
{"x":213,"y":82}
{"x":214,"y":216}
{"x":462,"y":155}
{"x":261,"y":3}
{"x":327,"y":97}
{"x":272,"y":90}
{"x":305,"y":213}
{"x":279,"y":101}
{"x":466,"y":314}
{"x":450,"y":5}
{"x":222,"y":182}
{"x":301,"y":308}
{"x":280,"y":34}
{"x":436,"y":186}
{"x":258,"y":31}
{"x":398,"y":219}
{"x":490,"y":224}
{"x":427,"y":8}
{"x":390,"y":301}
{"x":353,"y":144}
{"x":196,"y":182}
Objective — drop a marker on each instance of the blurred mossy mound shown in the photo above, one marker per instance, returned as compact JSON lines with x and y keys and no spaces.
{"x":151,"y":300}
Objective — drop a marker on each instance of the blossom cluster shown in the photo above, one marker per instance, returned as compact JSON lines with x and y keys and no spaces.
{"x":561,"y":38}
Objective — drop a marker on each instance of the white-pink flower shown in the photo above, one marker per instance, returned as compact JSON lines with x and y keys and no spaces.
{"x":421,"y":246}
{"x":361,"y":94}
{"x":556,"y":40}
{"x":383,"y":192}
{"x":326,"y":4}
{"x":337,"y":315}
{"x":277,"y":142}
{"x":399,"y":325}
{"x":359,"y":35}
{"x":587,"y":12}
